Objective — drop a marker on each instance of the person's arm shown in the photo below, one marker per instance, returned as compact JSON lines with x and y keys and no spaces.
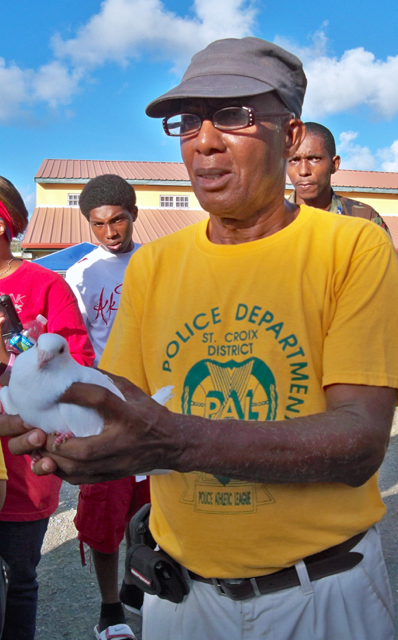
{"x":346,"y":444}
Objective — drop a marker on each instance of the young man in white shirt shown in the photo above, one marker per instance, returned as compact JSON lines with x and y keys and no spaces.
{"x":104,"y":510}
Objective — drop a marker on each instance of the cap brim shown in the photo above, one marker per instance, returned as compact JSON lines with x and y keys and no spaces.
{"x":209,"y":86}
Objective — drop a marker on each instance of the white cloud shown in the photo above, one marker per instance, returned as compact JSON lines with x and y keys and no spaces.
{"x":346,"y":137}
{"x":354,"y":156}
{"x":317,"y":48}
{"x":53,"y":84}
{"x":390,"y":157}
{"x":123,"y":29}
{"x":339,"y":84}
{"x":13,"y":83}
{"x":357,"y":78}
{"x":126,"y":30}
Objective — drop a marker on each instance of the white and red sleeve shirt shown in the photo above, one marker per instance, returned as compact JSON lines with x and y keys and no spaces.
{"x":97,"y":281}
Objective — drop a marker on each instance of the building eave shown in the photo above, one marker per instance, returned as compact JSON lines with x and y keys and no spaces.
{"x":162,"y":183}
{"x":355,"y":189}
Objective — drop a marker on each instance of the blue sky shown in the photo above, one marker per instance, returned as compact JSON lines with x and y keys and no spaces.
{"x":75,"y":76}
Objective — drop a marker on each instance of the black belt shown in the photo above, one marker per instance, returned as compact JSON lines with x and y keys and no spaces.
{"x":320,"y":565}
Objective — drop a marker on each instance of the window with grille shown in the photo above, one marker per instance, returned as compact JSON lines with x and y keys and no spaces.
{"x":167,"y":201}
{"x":182,"y":201}
{"x":174,"y":202}
{"x":73,"y":199}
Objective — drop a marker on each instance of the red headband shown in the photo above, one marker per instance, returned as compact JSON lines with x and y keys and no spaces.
{"x":5,"y":216}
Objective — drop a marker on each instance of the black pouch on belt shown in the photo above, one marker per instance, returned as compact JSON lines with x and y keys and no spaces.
{"x":154,"y":572}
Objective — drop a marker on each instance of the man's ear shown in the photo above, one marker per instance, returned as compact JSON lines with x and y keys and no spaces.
{"x":2,"y":228}
{"x":295,"y":134}
{"x":335,"y":164}
{"x":134,"y":213}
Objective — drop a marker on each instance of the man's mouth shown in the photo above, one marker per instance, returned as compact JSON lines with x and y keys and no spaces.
{"x":114,"y":246}
{"x":211,"y":178}
{"x":305,"y":185}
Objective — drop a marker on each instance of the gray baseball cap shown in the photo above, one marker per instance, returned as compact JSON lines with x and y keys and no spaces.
{"x":233,"y":68}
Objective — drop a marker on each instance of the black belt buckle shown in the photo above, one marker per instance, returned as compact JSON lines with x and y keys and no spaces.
{"x":218,"y":586}
{"x":237,"y":589}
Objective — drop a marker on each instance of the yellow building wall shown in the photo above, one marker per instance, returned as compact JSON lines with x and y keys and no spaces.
{"x":56,"y":195}
{"x":149,"y":196}
{"x":49,"y":194}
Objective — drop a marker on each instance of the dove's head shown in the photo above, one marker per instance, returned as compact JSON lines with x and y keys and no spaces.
{"x":50,"y":346}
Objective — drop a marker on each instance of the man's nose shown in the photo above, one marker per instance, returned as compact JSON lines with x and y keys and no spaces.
{"x":304,"y":168}
{"x":110,"y":231}
{"x":209,"y":139}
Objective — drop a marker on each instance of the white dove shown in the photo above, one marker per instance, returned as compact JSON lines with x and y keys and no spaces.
{"x":41,"y":375}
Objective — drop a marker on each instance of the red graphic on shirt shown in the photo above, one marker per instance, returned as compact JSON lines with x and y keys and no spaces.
{"x":105,"y":308}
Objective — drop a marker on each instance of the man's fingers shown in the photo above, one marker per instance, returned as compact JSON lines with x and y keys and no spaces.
{"x":28,"y":442}
{"x":92,"y":396}
{"x":76,"y":471}
{"x":11,"y":426}
{"x":44,"y":466}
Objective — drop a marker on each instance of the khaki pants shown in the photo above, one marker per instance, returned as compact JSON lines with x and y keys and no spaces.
{"x":354,"y":605}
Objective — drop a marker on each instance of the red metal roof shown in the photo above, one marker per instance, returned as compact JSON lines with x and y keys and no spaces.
{"x":87,"y":169}
{"x":65,"y":170}
{"x":61,"y":227}
{"x":156,"y":223}
{"x":363,"y":179}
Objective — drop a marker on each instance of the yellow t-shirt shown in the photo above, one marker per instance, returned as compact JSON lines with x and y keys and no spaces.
{"x":255,"y":331}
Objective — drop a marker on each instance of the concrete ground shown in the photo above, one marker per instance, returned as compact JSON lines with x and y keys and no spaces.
{"x":69,"y":599}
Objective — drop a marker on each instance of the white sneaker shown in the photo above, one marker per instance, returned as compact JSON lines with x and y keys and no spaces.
{"x":117,"y":631}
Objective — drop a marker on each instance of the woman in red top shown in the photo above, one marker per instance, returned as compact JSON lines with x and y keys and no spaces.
{"x":30,"y":500}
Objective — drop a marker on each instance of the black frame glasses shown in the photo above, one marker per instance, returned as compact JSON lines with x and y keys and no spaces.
{"x":225,"y":119}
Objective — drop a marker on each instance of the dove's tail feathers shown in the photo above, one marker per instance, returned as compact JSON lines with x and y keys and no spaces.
{"x":164,"y":394}
{"x":8,"y":405}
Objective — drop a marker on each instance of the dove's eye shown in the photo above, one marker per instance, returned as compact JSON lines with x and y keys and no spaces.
{"x":62,"y":349}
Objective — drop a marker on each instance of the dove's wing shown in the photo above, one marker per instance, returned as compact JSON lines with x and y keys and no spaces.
{"x":81,"y":421}
{"x":8,"y":405}
{"x":93,"y":376}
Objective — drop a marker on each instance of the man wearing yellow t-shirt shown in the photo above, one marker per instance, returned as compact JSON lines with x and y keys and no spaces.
{"x":277,"y":327}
